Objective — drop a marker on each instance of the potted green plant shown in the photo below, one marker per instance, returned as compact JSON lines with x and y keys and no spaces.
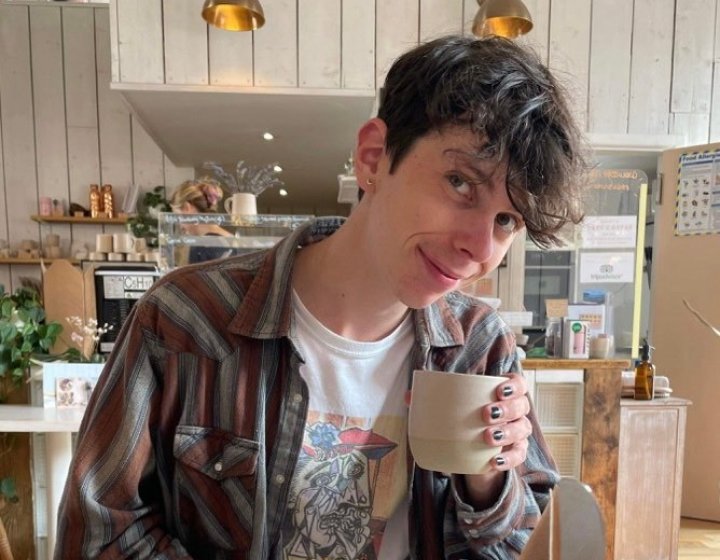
{"x":144,"y":224}
{"x":24,"y":334}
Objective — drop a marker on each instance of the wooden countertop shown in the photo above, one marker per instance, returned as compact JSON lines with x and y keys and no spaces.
{"x":664,"y":401}
{"x":26,"y":418}
{"x":551,"y":363}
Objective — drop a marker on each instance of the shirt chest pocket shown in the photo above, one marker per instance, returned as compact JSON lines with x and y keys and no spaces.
{"x":214,"y":486}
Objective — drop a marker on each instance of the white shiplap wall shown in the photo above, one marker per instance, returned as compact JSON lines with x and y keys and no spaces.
{"x":646,"y":67}
{"x":641,"y":67}
{"x":61,"y":128}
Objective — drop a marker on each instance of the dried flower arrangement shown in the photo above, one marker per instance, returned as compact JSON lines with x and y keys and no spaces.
{"x":247,"y":179}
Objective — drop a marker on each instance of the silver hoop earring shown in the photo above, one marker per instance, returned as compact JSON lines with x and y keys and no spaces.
{"x":370,"y":182}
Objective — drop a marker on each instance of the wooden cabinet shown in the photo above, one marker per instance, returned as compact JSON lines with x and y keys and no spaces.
{"x":600,"y":433}
{"x":650,"y":469}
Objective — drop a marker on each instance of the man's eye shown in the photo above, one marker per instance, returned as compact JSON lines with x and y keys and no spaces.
{"x":459,"y":184}
{"x":507,"y":222}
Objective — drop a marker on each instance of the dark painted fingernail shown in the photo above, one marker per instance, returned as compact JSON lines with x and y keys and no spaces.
{"x":495,"y":412}
{"x":507,"y":391}
{"x":499,"y":460}
{"x":497,"y":435}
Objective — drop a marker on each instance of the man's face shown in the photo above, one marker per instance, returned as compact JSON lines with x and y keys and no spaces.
{"x":443,"y":217}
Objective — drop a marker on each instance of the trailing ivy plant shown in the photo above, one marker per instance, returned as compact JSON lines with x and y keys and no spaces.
{"x":24,"y":333}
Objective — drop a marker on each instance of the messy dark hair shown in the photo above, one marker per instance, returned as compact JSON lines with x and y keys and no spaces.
{"x":505,"y":94}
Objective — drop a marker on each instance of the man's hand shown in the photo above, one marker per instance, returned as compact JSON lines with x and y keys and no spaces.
{"x":509,"y":428}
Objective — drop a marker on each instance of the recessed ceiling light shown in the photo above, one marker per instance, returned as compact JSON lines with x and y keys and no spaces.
{"x":282,"y":192}
{"x":277,"y":169}
{"x":268,"y":136}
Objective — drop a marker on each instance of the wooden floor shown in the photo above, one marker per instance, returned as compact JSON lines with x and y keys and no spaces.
{"x":699,"y":540}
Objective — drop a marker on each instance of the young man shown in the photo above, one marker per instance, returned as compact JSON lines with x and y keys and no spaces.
{"x":255,"y":407}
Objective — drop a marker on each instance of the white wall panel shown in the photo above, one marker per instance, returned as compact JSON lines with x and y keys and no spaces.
{"x":319,"y":43}
{"x":114,"y":50}
{"x":49,"y":101}
{"x":140,"y":41}
{"x":275,"y":53}
{"x":440,"y":17}
{"x":715,"y":101}
{"x":569,"y":50}
{"x":230,"y":57}
{"x":113,"y":118}
{"x":174,"y":175}
{"x":694,"y":127}
{"x":186,"y":42}
{"x":49,"y":110}
{"x":651,"y":69}
{"x":81,"y":111}
{"x":691,"y":92}
{"x":148,"y":159}
{"x":80,"y":71}
{"x":16,"y":112}
{"x":539,"y":36}
{"x":397,"y":28}
{"x":609,"y":80}
{"x":358,"y":44}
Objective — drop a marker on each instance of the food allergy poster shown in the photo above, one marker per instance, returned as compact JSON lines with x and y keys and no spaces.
{"x":697,"y":209}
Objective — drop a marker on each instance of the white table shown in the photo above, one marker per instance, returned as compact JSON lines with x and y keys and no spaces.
{"x":57,"y":424}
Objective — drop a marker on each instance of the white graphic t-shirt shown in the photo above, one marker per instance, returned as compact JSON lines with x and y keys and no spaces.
{"x":349,"y":494}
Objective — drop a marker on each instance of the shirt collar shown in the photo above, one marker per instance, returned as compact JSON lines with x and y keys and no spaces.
{"x":266,"y":307}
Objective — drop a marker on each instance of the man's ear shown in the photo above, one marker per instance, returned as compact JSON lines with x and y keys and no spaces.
{"x":370,"y":152}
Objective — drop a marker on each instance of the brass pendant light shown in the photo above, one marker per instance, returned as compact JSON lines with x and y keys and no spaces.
{"x":506,"y":18}
{"x":234,"y":15}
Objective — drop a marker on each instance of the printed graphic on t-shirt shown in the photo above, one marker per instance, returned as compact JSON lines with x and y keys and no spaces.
{"x":350,"y":478}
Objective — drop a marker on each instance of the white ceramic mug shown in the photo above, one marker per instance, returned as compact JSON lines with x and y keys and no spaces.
{"x":241,"y":204}
{"x":139,"y":244}
{"x":122,"y":242}
{"x":103,"y":243}
{"x":445,"y":427}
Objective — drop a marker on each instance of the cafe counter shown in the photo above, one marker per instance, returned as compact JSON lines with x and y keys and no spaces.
{"x":601,"y":442}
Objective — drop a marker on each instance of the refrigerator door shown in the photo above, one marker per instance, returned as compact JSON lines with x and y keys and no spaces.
{"x":686,"y":268}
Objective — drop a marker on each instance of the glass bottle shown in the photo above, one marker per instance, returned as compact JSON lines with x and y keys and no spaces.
{"x":644,"y":375}
{"x":95,"y":201}
{"x":107,"y":199}
{"x":553,"y":333}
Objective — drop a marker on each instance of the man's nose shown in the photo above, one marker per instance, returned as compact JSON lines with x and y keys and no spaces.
{"x":476,"y":238}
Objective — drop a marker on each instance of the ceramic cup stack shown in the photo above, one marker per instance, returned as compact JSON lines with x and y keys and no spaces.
{"x":119,"y":247}
{"x":29,"y":249}
{"x":51,"y":247}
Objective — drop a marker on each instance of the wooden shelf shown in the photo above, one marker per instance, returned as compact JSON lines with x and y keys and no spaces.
{"x":73,"y":220}
{"x":34,"y":261}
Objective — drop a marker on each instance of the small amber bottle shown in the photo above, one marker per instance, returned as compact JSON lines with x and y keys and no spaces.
{"x":644,"y":375}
